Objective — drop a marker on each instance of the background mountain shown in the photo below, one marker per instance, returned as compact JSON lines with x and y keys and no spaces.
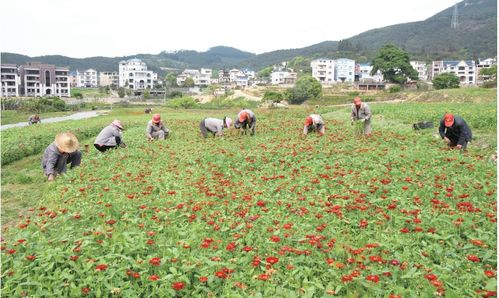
{"x":431,"y":39}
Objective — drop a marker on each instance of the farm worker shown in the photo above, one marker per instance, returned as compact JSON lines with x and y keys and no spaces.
{"x":314,"y":122}
{"x":246,"y":119}
{"x":34,"y":119}
{"x":214,"y":126}
{"x":156,"y":128}
{"x":110,"y":137}
{"x":455,"y":131}
{"x":361,"y":112}
{"x":57,"y":155}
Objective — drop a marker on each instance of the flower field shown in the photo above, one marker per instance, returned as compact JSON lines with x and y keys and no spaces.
{"x":274,"y":215}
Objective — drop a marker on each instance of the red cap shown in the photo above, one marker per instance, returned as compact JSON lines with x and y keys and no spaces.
{"x":448,"y":120}
{"x":156,"y":118}
{"x":357,"y":101}
{"x":243,"y":116}
{"x":308,"y":121}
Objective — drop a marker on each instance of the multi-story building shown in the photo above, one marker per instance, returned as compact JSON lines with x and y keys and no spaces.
{"x":10,"y":81}
{"x":344,"y":70}
{"x":323,"y":70}
{"x":88,"y":79}
{"x":422,"y":69}
{"x":482,"y":64}
{"x":109,"y":78}
{"x":363,"y":74}
{"x":133,"y":74}
{"x":39,"y":79}
{"x":74,"y":78}
{"x":283,"y":77}
{"x":465,"y":70}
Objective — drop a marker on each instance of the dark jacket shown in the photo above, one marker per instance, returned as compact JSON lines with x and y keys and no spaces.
{"x":459,"y":133}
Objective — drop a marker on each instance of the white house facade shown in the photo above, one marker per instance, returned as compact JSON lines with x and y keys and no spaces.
{"x":465,"y":70}
{"x":323,"y":70}
{"x":133,"y":74}
{"x":88,"y":79}
{"x":345,"y":70}
{"x":363,"y":73}
{"x":10,"y":81}
{"x":422,"y":69}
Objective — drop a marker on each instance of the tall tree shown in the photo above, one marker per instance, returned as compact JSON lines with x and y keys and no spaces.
{"x":171,"y":79}
{"x":394,"y":65}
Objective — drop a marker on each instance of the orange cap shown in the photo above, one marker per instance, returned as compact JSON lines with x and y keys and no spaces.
{"x":156,"y":118}
{"x":308,"y":121}
{"x":243,"y":116}
{"x":448,"y":120}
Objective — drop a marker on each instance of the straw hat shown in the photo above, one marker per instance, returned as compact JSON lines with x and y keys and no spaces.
{"x":117,"y":123}
{"x":67,"y":142}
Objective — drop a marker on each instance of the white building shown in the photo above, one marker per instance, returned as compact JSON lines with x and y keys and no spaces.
{"x":133,"y":74}
{"x":421,"y":68}
{"x":87,"y":79}
{"x":363,"y":73}
{"x":484,"y":63}
{"x":283,"y":77}
{"x":200,"y":77}
{"x":10,"y":81}
{"x":465,"y":70}
{"x":323,"y":70}
{"x":345,"y":70}
{"x":109,"y":78}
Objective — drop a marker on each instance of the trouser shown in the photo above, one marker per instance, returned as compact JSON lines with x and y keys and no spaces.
{"x":320,"y":128}
{"x":454,"y":140}
{"x":105,"y":147}
{"x":251,"y":125}
{"x":73,"y":158}
{"x":367,"y":127}
{"x":159,"y":135}
{"x":204,"y":130}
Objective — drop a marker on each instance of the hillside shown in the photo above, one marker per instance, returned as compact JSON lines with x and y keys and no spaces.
{"x":433,"y":38}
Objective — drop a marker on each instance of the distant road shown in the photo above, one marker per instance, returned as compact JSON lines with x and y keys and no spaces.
{"x":76,"y":116}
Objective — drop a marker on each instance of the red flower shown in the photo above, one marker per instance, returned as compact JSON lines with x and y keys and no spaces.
{"x":346,"y":278}
{"x":101,"y":267}
{"x":221,"y":274}
{"x":363,"y":223}
{"x":85,"y":291}
{"x":260,"y":203}
{"x":154,"y":277}
{"x":136,"y":275}
{"x":373,"y":278}
{"x":247,"y":248}
{"x":404,"y":230}
{"x":275,"y":238}
{"x":31,"y":258}
{"x":231,"y":246}
{"x":111,"y":222}
{"x":489,"y":273}
{"x":203,"y":278}
{"x":155,"y":261}
{"x":473,"y":258}
{"x":150,"y":242}
{"x":263,"y":276}
{"x":73,"y":258}
{"x":272,"y":260}
{"x":430,"y":277}
{"x":177,"y":286}
{"x":11,"y":251}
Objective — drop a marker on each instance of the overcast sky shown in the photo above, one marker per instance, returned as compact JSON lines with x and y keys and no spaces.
{"x":110,"y":28}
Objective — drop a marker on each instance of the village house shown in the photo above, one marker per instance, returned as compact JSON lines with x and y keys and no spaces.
{"x":10,"y":81}
{"x":465,"y":70}
{"x":39,"y":79}
{"x":133,"y":74}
